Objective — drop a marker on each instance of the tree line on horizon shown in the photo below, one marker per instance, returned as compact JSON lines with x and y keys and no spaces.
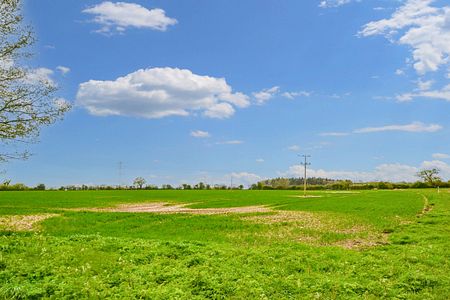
{"x":429,"y":179}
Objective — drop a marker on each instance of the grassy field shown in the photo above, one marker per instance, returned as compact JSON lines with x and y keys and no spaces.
{"x":369,"y":245}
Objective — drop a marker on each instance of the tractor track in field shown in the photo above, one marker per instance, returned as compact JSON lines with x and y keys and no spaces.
{"x":427,"y":207}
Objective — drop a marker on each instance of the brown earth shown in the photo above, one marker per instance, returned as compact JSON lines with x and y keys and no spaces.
{"x":22,"y":223}
{"x":165,"y":208}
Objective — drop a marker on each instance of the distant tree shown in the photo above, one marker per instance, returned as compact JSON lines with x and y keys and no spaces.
{"x":430,"y":176}
{"x":200,"y":186}
{"x":27,"y":101}
{"x":186,"y":186}
{"x":139,"y":182}
{"x":40,"y":187}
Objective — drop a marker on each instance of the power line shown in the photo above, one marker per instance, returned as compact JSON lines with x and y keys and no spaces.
{"x":305,"y":164}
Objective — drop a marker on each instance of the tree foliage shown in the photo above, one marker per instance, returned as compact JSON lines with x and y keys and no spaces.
{"x":430,"y":176}
{"x":139,"y":182}
{"x":27,"y":101}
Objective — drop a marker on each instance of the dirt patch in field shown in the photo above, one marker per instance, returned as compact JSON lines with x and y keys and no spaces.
{"x":310,"y":227}
{"x":165,"y":208}
{"x":360,"y":243}
{"x":22,"y":223}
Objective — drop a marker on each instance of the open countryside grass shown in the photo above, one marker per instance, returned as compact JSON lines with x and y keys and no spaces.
{"x":372,"y":244}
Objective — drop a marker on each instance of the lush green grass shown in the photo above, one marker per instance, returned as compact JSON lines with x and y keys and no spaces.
{"x":126,"y":255}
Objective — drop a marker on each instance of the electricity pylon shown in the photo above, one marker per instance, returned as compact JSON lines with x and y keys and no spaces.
{"x":305,"y":164}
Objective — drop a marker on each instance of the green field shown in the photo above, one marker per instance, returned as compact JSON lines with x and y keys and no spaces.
{"x":369,"y":245}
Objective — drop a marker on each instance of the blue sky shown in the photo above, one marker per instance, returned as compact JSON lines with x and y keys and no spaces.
{"x":188,"y":91}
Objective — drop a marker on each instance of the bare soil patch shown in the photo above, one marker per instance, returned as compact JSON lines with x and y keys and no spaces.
{"x":23,"y":222}
{"x":165,"y":208}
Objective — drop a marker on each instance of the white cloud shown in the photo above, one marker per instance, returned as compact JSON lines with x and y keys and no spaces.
{"x":440,"y":94}
{"x":399,"y":72}
{"x":333,"y":3}
{"x":334,"y":134}
{"x":294,"y":148}
{"x":160,"y":92}
{"x":40,"y":75}
{"x":259,"y":160}
{"x":200,"y":134}
{"x":292,"y":95}
{"x":119,"y":16}
{"x":386,"y":172}
{"x":266,"y":94}
{"x":220,"y":111}
{"x":412,"y":127}
{"x":231,"y":142}
{"x":245,"y":177}
{"x":422,"y":27}
{"x":424,"y":85}
{"x":440,"y":156}
{"x":63,"y":70}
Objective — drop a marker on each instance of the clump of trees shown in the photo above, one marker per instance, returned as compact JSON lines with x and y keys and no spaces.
{"x":430,"y":179}
{"x":7,"y":186}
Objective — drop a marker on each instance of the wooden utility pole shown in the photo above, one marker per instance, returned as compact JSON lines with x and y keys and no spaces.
{"x":305,"y":164}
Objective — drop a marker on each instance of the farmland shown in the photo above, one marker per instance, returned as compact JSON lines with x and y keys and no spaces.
{"x":273,"y":245}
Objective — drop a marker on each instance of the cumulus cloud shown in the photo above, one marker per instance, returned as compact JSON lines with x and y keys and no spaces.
{"x":259,"y":160}
{"x":118,"y":16}
{"x":264,"y":95}
{"x":160,"y":92}
{"x":385,"y":172}
{"x":440,"y":156}
{"x":200,"y":134}
{"x":63,"y":70}
{"x":413,"y":127}
{"x":422,"y":27}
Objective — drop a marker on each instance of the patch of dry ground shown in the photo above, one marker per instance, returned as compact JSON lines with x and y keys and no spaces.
{"x":22,"y":222}
{"x":309,"y":227}
{"x":165,"y":208}
{"x":301,"y":226}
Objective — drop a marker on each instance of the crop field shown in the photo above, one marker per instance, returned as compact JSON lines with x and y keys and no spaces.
{"x":174,"y":244}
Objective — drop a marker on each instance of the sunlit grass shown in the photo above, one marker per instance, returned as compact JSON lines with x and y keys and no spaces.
{"x":374,"y":244}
